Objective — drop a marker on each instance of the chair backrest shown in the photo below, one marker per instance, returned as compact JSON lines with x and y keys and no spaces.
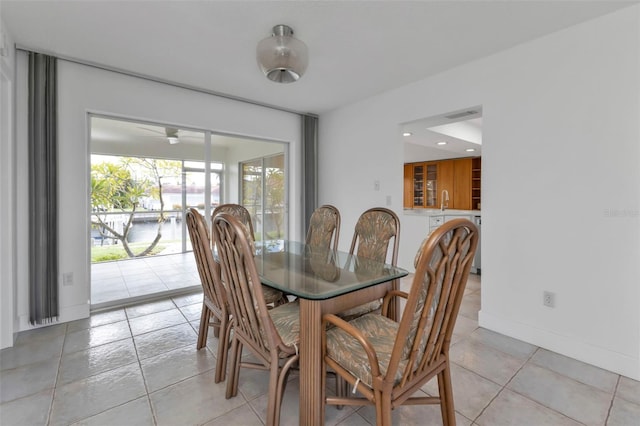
{"x":324,"y":228}
{"x":208,"y":268}
{"x":244,"y":290}
{"x":237,"y":211}
{"x":430,"y":312}
{"x":242,"y":214}
{"x":374,"y":231}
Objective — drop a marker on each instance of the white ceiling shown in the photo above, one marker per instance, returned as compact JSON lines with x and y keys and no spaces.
{"x":357,"y":48}
{"x":459,"y":130}
{"x":119,"y":131}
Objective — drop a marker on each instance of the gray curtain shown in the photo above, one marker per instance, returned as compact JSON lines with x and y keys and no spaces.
{"x":309,"y":168}
{"x":43,"y":210}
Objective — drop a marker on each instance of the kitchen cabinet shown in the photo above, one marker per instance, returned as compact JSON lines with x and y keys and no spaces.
{"x":462,"y":184}
{"x":420,"y":185}
{"x":476,"y":174}
{"x":425,"y":183}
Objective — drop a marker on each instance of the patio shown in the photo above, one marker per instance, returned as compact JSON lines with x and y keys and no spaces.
{"x":128,"y":281}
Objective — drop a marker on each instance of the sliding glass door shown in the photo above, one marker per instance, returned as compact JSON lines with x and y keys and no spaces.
{"x":145,"y":176}
{"x":263,"y":193}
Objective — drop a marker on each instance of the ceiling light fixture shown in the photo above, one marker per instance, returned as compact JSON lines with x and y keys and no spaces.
{"x":172,"y":135}
{"x":281,"y":57}
{"x":407,"y":134}
{"x":441,"y":143}
{"x":470,"y":149}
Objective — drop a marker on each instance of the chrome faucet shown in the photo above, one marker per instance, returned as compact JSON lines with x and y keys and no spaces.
{"x":444,"y":199}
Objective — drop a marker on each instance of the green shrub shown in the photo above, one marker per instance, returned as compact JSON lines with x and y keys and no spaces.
{"x":116,"y":252}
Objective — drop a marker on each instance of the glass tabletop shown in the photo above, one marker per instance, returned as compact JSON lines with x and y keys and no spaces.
{"x":311,"y":273}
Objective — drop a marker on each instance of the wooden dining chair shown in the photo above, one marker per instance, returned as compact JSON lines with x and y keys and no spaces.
{"x":214,"y":306}
{"x":271,"y":335}
{"x":272,"y":296}
{"x":375,"y":230}
{"x":324,"y":228}
{"x":238,"y":211}
{"x":386,"y":361}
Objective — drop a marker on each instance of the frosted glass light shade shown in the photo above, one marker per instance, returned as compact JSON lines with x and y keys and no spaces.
{"x":281,"y":57}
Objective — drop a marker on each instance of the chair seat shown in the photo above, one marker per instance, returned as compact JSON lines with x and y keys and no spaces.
{"x":286,"y":319}
{"x":360,"y":310}
{"x":271,"y":295}
{"x":379,"y":330}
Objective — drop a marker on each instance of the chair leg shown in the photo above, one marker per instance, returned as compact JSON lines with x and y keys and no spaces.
{"x":383,"y":409}
{"x":204,"y":326}
{"x":342,"y":389}
{"x":223,"y":350}
{"x":281,"y":386}
{"x":446,"y":397}
{"x":215,"y":323}
{"x":272,"y":404}
{"x":232,"y":380}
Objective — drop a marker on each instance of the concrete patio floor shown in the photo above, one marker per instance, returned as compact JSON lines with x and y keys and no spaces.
{"x":123,"y":282}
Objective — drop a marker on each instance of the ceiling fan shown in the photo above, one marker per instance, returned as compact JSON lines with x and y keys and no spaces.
{"x":170,"y":133}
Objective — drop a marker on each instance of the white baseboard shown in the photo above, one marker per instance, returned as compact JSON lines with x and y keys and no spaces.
{"x":69,"y":313}
{"x":565,"y":345}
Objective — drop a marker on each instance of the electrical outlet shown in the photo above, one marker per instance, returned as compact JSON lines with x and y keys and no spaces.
{"x":549,"y":299}
{"x":67,"y":278}
{"x":376,"y":185}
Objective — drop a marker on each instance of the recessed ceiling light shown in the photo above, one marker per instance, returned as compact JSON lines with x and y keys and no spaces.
{"x":470,"y":149}
{"x":441,"y":143}
{"x":407,"y":134}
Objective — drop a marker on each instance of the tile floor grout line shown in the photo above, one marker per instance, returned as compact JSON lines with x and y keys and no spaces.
{"x":144,"y":381}
{"x":536,"y":401}
{"x":613,"y":397}
{"x":251,"y":407}
{"x":55,"y":384}
{"x":506,"y":384}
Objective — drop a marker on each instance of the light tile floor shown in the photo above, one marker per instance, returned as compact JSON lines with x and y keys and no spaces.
{"x":138,"y":366}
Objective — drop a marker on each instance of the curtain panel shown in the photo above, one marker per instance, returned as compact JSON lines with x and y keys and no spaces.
{"x":309,"y":168}
{"x":43,"y":196}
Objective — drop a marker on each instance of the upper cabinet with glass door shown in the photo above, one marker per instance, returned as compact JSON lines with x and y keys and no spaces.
{"x":420,"y":185}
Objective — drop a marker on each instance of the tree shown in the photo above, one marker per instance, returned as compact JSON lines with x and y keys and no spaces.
{"x":115,"y":188}
{"x":275,"y":196}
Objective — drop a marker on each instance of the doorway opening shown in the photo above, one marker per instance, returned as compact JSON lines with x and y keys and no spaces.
{"x":428,"y":145}
{"x":144,"y":176}
{"x":427,"y":142}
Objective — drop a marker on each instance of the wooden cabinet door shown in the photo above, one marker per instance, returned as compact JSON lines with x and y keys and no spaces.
{"x":462,"y":184}
{"x":414,"y":185}
{"x":446,"y":176}
{"x":408,"y":186}
{"x":431,"y":185}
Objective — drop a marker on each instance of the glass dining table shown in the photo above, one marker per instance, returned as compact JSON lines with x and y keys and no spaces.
{"x":324,"y":282}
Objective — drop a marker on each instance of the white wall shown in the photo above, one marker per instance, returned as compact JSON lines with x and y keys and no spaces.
{"x":84,"y":90}
{"x":414,"y":152}
{"x":561,"y":182}
{"x":7,"y":193}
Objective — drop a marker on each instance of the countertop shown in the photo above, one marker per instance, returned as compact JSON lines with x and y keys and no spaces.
{"x":438,"y":212}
